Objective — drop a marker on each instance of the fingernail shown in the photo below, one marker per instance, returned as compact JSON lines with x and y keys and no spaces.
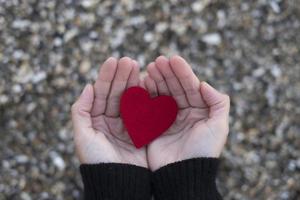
{"x":86,"y":88}
{"x":205,"y":83}
{"x":110,"y":59}
{"x":135,"y":63}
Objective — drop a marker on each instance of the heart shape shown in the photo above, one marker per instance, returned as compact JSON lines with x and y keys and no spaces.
{"x":146,"y":118}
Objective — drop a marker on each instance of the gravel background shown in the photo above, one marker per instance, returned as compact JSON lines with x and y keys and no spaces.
{"x":50,"y":49}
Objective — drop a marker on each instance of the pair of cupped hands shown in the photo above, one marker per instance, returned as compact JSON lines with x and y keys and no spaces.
{"x":200,"y":129}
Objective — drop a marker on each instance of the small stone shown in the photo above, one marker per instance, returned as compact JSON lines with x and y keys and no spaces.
{"x":137,"y":20}
{"x":148,"y":37}
{"x":58,"y":188}
{"x":25,"y":196}
{"x":60,"y":82}
{"x":22,"y":183}
{"x":63,"y":134}
{"x":221,"y":18}
{"x":198,"y":6}
{"x":274,"y":5}
{"x":284,"y":195}
{"x":292,"y":165}
{"x":119,"y":38}
{"x":93,"y":35}
{"x":298,"y":163}
{"x":87,"y":46}
{"x":271,"y":96}
{"x":30,"y":107}
{"x":57,"y":42}
{"x":57,"y":161}
{"x":22,"y":159}
{"x":20,"y":24}
{"x":212,"y":39}
{"x":3,"y":99}
{"x":290,"y":182}
{"x":18,"y":54}
{"x":45,"y":195}
{"x":276,"y":71}
{"x":161,"y":27}
{"x":5,"y":164}
{"x":179,"y":29}
{"x":39,"y":77}
{"x":16,"y":88}
{"x":84,"y":67}
{"x":69,"y":35}
{"x":259,"y":72}
{"x":88,"y":3}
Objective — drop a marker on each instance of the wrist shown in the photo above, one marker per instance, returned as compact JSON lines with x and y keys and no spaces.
{"x":115,"y":181}
{"x":187,"y":180}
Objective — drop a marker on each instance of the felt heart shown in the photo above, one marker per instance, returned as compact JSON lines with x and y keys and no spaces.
{"x":146,"y":118}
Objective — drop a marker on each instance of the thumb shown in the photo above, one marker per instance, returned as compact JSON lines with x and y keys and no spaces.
{"x":217,"y":102}
{"x":81,"y":110}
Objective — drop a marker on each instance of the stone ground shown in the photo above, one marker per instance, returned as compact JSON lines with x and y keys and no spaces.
{"x":50,"y":49}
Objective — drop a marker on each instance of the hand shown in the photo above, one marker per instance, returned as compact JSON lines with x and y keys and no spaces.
{"x":99,"y":134}
{"x":201,"y":126}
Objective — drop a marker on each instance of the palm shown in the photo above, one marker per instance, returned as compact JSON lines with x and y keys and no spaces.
{"x":99,"y":132}
{"x":190,"y":136}
{"x":195,"y":132}
{"x":114,"y":143}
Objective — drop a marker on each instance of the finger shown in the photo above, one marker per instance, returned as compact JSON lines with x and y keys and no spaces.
{"x":81,"y":111}
{"x":155,"y":74}
{"x":103,"y":84}
{"x":133,"y":79}
{"x":150,"y":86}
{"x":217,"y":102}
{"x":188,"y":81}
{"x":142,"y":84}
{"x":162,"y":63}
{"x":124,"y":69}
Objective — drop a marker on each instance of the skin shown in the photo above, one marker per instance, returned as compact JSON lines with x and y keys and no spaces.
{"x":200,"y":129}
{"x":99,"y":134}
{"x":201,"y":126}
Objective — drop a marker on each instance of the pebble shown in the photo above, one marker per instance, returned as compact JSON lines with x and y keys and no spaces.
{"x":276,"y":71}
{"x":271,"y":96}
{"x":21,"y":24}
{"x":25,"y":196}
{"x":17,"y":88}
{"x":274,"y":5}
{"x":85,"y":67}
{"x":148,"y":37}
{"x":38,"y":77}
{"x":49,"y":50}
{"x":88,"y":3}
{"x":161,"y":27}
{"x":3,"y":99}
{"x":30,"y":107}
{"x":70,"y":34}
{"x":57,"y":160}
{"x":259,"y":72}
{"x":22,"y":159}
{"x":198,"y":6}
{"x":212,"y":39}
{"x":18,"y":54}
{"x":58,"y":42}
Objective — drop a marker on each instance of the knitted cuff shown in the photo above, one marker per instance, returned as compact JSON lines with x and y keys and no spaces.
{"x":187,"y":180}
{"x":115,"y":181}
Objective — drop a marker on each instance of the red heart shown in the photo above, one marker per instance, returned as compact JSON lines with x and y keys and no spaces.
{"x":146,"y":118}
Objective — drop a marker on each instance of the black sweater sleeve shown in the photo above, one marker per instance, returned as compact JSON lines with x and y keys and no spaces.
{"x":192,"y":179}
{"x":114,"y":181}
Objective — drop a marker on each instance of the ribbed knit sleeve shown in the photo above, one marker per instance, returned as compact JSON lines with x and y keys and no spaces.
{"x":192,"y":179}
{"x":115,"y":181}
